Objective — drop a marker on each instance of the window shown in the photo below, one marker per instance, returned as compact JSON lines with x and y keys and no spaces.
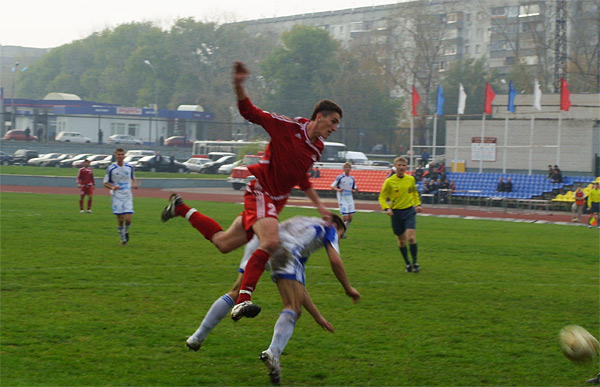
{"x":451,"y":18}
{"x":468,"y":17}
{"x":132,"y":129}
{"x":498,"y":11}
{"x":442,"y":66}
{"x":529,"y":10}
{"x":510,"y":60}
{"x":466,"y":49}
{"x":478,"y":49}
{"x":450,"y":50}
{"x":117,"y":128}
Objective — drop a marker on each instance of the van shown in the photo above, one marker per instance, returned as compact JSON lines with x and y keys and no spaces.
{"x":356,"y":158}
{"x":72,"y":137}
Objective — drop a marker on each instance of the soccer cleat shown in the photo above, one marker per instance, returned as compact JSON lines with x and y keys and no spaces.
{"x":416,"y":268}
{"x":81,"y":212}
{"x":193,"y":344}
{"x":273,"y":365}
{"x":169,"y":211}
{"x":244,"y":309}
{"x":594,"y":380}
{"x":408,"y":268}
{"x":89,"y":211}
{"x":126,"y":237}
{"x":124,"y":243}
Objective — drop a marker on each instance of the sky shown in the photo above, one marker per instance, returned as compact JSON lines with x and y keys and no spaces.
{"x":46,"y":24}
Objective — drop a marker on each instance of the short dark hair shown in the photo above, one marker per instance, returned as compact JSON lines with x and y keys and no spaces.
{"x":119,"y":150}
{"x":325,"y":107}
{"x":338,"y":222}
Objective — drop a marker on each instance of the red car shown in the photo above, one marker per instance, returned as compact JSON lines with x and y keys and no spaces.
{"x":178,"y":141}
{"x":18,"y":135}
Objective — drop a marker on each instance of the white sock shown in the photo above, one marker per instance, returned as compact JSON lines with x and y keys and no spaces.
{"x":219,"y":309}
{"x":127,"y":227}
{"x":347,"y":223}
{"x":284,"y":328}
{"x":121,"y":231}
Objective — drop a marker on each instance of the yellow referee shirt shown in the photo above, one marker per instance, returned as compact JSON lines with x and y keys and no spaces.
{"x":401,"y":191}
{"x":593,"y":197}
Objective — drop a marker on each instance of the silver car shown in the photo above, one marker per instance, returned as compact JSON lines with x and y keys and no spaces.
{"x":195,"y":163}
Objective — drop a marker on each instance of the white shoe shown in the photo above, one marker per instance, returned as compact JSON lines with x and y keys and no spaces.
{"x":89,"y":211}
{"x":193,"y":344}
{"x":244,"y":309}
{"x":273,"y":365}
{"x":81,"y":212}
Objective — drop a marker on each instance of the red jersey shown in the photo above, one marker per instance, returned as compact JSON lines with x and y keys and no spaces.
{"x":290,"y":154}
{"x":85,"y":177}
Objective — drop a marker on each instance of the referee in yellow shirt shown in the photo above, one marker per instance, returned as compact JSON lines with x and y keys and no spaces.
{"x":594,"y":203}
{"x":400,"y":199}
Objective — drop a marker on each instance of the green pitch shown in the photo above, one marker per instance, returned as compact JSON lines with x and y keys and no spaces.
{"x":77,"y":308}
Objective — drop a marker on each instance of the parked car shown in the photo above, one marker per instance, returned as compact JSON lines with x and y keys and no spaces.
{"x":195,"y":163}
{"x":140,"y":152}
{"x":6,"y":159}
{"x":226,"y":169}
{"x":79,"y":163}
{"x":72,"y":137}
{"x":56,"y":162}
{"x":21,"y":156}
{"x":18,"y":135}
{"x":123,"y":139}
{"x":240,"y":175}
{"x":102,"y":163}
{"x":213,"y":166}
{"x":148,"y":163}
{"x":67,"y":163}
{"x":178,"y":141}
{"x":37,"y":161}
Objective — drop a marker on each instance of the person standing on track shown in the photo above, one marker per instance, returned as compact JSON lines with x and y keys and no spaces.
{"x":399,"y":199}
{"x":296,"y":143}
{"x":345,"y":186}
{"x":86,"y":183}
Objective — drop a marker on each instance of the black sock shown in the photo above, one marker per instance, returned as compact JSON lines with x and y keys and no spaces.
{"x":404,"y":252}
{"x":413,"y":252}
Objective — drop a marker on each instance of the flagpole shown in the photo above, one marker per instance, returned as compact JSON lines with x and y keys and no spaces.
{"x":558,"y":140}
{"x":434,"y":137}
{"x":505,"y":143}
{"x":531,"y":143}
{"x":456,"y":144}
{"x":481,"y":143}
{"x":412,"y":132}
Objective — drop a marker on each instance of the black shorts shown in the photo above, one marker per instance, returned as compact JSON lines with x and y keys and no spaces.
{"x":403,"y":220}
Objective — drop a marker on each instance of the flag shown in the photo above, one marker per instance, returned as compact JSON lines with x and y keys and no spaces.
{"x":462,"y":99}
{"x":512,"y":93}
{"x":489,"y":97}
{"x":415,"y":101}
{"x":593,"y":221}
{"x":537,"y":96}
{"x":439,"y":107}
{"x":565,"y":95}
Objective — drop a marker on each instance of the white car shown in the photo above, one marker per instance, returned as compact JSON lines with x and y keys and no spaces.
{"x":37,"y":161}
{"x":195,"y":163}
{"x":123,"y":139}
{"x":79,"y":163}
{"x":140,"y":152}
{"x":72,"y":137}
{"x":227,"y":168}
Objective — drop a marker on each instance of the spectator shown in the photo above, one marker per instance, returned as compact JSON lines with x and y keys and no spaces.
{"x":172,"y":160}
{"x":424,"y":157}
{"x":508,"y":186}
{"x":40,"y":133}
{"x":161,"y":141}
{"x":579,"y":204}
{"x":27,"y":133}
{"x":500,"y":186}
{"x":157,"y":158}
{"x":100,"y":135}
{"x":557,"y":176}
{"x":418,"y":173}
{"x":550,"y":171}
{"x":317,"y":173}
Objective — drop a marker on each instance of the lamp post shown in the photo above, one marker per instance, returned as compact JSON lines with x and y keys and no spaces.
{"x":13,"y":118}
{"x":155,"y":98}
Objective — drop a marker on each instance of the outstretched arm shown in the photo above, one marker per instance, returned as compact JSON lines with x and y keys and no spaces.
{"x":337,"y":265}
{"x":311,"y":308}
{"x":314,"y":197}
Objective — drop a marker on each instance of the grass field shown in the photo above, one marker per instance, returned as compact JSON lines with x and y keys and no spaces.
{"x":79,"y":309}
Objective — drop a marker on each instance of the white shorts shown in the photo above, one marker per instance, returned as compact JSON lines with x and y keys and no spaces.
{"x":122,"y":206}
{"x":346,"y":203}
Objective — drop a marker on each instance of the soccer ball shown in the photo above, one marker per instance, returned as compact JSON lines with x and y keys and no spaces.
{"x":578,"y":344}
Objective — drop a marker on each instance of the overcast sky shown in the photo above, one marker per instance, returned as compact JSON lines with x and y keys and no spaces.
{"x":51,"y":23}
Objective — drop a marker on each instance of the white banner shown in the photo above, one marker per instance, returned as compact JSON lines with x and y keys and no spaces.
{"x":485,"y":152}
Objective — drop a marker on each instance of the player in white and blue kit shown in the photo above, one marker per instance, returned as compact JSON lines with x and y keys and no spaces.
{"x":299,"y":237}
{"x":120,"y":179}
{"x":345,"y":186}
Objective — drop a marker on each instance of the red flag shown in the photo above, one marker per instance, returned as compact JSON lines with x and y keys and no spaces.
{"x":565,"y":95}
{"x":415,"y":101}
{"x":489,"y":97}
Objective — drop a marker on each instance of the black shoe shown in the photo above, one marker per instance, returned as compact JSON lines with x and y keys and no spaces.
{"x":244,"y":309}
{"x":595,"y":380}
{"x":126,"y":237}
{"x":416,"y":268}
{"x":169,"y":211}
{"x":409,"y":268}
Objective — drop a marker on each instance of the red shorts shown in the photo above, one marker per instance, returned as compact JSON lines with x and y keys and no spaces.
{"x":258,"y":204}
{"x":87,"y":190}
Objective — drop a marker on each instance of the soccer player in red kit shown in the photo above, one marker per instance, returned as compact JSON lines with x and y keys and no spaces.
{"x":86,"y":183}
{"x":296,"y":143}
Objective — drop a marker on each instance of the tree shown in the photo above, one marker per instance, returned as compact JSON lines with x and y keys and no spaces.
{"x":473,"y":75}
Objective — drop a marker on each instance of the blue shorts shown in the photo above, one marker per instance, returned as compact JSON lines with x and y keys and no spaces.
{"x":403,"y":220}
{"x":595,"y":207}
